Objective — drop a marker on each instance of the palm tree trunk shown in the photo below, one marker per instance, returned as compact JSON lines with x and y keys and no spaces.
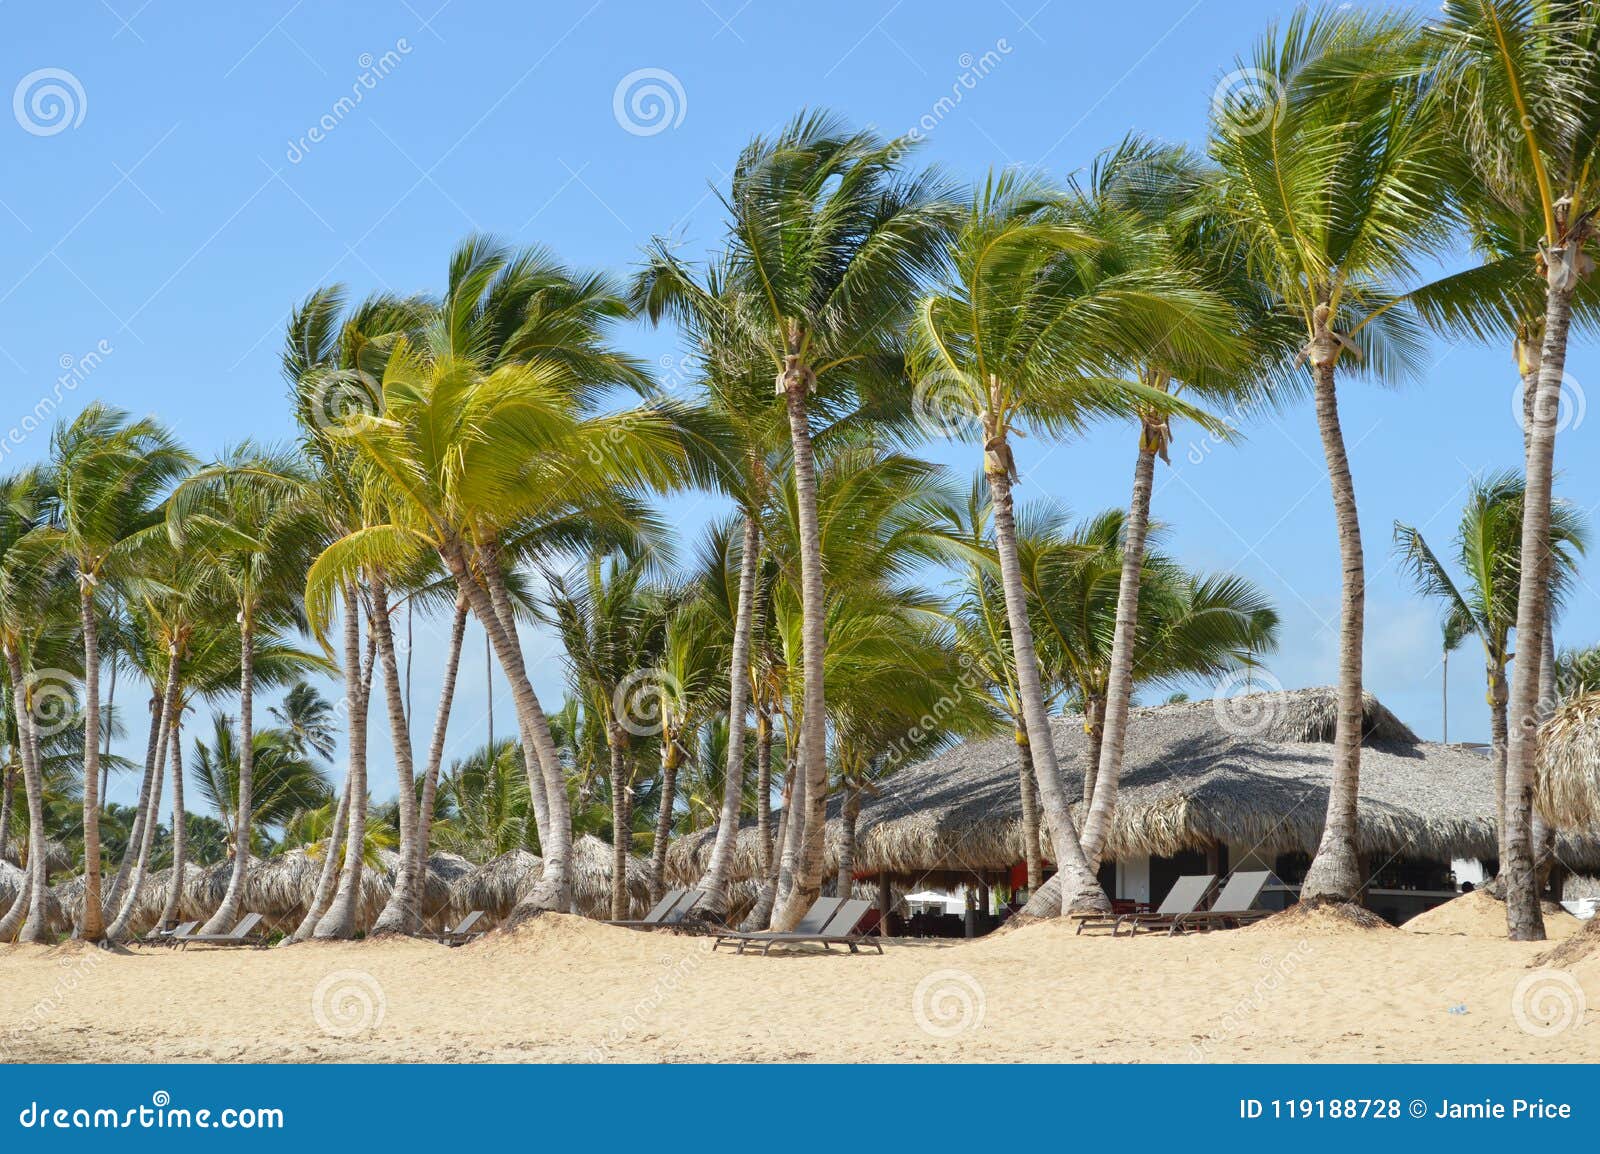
{"x":111,"y":709}
{"x":1094,"y":729}
{"x":8,"y":795}
{"x":545,"y":774}
{"x":849,"y":812}
{"x":93,"y":927}
{"x":1544,"y":835}
{"x":12,"y":921}
{"x":669,"y":797}
{"x":1076,"y":888}
{"x":154,"y":766}
{"x":808,"y":866}
{"x":1499,"y":694}
{"x":621,"y":828}
{"x":328,"y":873}
{"x":791,"y":844}
{"x":340,"y":919}
{"x":441,"y":726}
{"x":764,"y":788}
{"x":168,"y":709}
{"x":399,"y":914}
{"x":1524,"y":920}
{"x":1335,"y":873}
{"x":233,"y":901}
{"x":760,"y":917}
{"x":180,"y":823}
{"x":1119,"y":692}
{"x":714,"y":882}
{"x":1031,"y":852}
{"x":36,"y":879}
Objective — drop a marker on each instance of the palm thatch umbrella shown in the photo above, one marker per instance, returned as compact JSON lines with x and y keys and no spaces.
{"x":1251,"y":771}
{"x":498,"y":885}
{"x":1568,"y":786}
{"x":10,"y":883}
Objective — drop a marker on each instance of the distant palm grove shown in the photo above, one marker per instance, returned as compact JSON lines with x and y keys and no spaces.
{"x":484,"y":451}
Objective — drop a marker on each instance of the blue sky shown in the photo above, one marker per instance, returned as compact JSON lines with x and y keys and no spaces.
{"x":179,"y":204}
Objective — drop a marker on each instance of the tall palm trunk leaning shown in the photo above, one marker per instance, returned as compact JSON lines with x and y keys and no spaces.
{"x":233,"y":899}
{"x":400,"y":914}
{"x":441,"y":727}
{"x":714,"y":881}
{"x":339,"y":919}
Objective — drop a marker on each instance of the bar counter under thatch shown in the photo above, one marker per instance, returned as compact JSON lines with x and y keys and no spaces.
{"x":1248,"y":771}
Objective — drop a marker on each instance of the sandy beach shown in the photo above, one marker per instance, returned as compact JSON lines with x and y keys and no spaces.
{"x":565,"y":989}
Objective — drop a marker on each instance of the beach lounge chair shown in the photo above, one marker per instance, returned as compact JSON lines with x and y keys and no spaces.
{"x":164,"y":937}
{"x":670,"y":910}
{"x":1234,"y":906}
{"x":246,"y":933}
{"x":1185,"y":895}
{"x":462,"y":933}
{"x":816,"y":920}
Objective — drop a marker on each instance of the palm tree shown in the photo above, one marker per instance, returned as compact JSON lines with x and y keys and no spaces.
{"x":1028,"y":325}
{"x":309,"y":719}
{"x":613,"y":628}
{"x":827,"y":242}
{"x":248,"y":515}
{"x":1523,"y":95}
{"x":751,"y":429}
{"x":478,"y":449}
{"x":110,"y":474}
{"x":1330,"y":178}
{"x":1488,"y":551}
{"x":29,"y":584}
{"x":285,"y":783}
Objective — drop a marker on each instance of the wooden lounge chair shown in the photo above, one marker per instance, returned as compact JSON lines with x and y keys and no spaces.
{"x":246,"y":933}
{"x":1234,"y":906}
{"x":816,"y":920}
{"x":660,"y":913}
{"x":462,"y":933}
{"x":1185,"y":895}
{"x":846,"y":928}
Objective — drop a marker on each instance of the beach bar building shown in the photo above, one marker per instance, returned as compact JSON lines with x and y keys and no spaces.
{"x":1206,"y":787}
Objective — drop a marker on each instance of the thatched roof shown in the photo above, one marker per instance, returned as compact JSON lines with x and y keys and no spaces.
{"x":1569,"y":763}
{"x":10,"y":884}
{"x":1250,"y":771}
{"x":499,"y":885}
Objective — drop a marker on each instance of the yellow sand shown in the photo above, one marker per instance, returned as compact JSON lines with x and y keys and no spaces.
{"x":564,"y":989}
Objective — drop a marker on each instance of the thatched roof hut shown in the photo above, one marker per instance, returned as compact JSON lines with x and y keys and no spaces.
{"x":1568,"y":789}
{"x":10,"y":884}
{"x":1251,"y":771}
{"x":497,"y":886}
